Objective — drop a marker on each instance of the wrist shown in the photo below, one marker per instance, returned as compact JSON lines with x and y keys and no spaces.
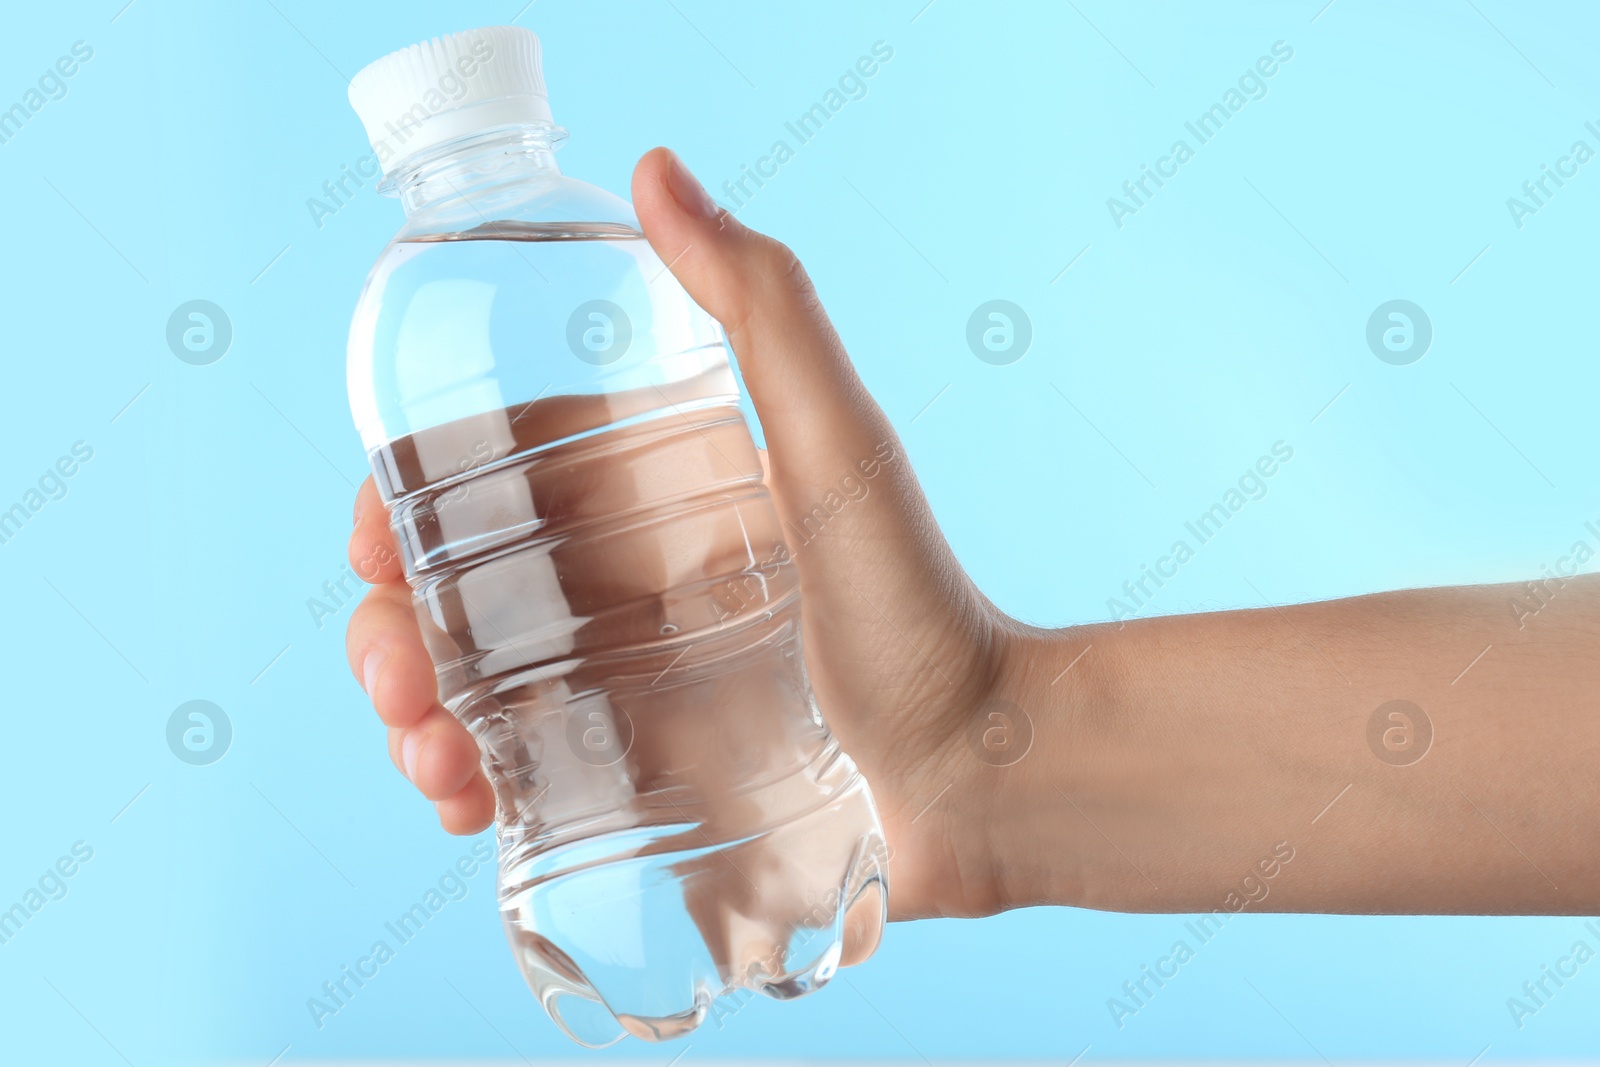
{"x":1050,"y":807}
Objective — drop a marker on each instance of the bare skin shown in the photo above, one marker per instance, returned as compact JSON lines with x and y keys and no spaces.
{"x":1174,"y":758}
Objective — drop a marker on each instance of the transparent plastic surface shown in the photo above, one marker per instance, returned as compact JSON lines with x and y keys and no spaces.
{"x":602,"y":583}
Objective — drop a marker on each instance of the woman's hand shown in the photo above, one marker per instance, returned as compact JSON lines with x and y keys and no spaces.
{"x":903,"y":652}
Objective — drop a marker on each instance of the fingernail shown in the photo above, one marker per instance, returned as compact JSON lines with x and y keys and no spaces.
{"x":688,"y":192}
{"x":370,"y":668}
{"x":408,"y":752}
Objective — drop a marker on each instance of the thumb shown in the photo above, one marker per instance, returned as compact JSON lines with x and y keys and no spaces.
{"x":818,"y":419}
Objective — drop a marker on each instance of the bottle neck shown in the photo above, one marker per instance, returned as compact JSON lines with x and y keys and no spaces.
{"x":476,"y":167}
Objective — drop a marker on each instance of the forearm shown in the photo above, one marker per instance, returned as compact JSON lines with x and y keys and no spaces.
{"x":1180,"y":756}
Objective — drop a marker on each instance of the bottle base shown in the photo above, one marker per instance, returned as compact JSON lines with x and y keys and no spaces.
{"x":639,"y":938}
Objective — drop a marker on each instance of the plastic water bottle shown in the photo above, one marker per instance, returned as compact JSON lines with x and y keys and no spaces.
{"x":597,"y":567}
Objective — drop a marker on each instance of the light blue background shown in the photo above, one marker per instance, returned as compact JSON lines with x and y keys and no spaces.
{"x":1222,"y":317}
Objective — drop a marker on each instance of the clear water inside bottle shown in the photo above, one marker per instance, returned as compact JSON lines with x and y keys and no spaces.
{"x":603,"y":585}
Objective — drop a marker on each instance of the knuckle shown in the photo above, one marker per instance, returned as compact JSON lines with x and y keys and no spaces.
{"x":362,"y":616}
{"x":372,"y":559}
{"x":373,"y":617}
{"x":788,"y":278}
{"x":782,"y":265}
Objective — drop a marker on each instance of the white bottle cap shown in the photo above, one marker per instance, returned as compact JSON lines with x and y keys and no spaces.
{"x":449,"y":87}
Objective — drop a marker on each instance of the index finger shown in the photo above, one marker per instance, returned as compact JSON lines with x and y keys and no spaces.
{"x":374,"y":555}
